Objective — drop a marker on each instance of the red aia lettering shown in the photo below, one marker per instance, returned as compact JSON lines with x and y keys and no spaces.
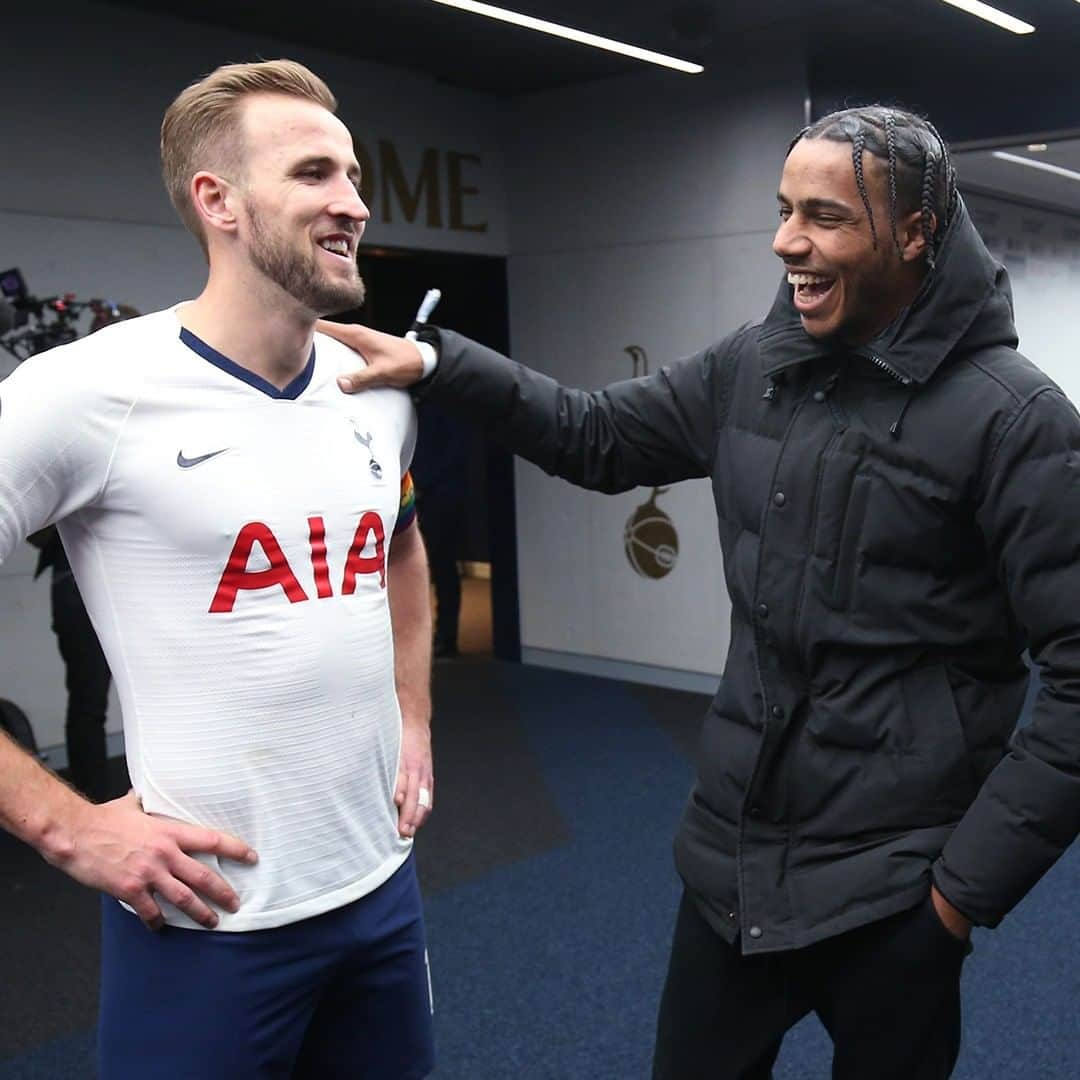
{"x":237,"y":576}
{"x":317,"y":539}
{"x":356,"y":563}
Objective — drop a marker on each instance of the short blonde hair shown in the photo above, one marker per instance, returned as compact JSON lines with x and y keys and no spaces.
{"x":201,"y":128}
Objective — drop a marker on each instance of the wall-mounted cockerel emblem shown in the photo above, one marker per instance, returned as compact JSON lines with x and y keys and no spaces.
{"x":650,"y":539}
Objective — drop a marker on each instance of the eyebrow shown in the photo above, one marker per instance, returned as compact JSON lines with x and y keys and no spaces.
{"x":818,"y":205}
{"x":327,"y":162}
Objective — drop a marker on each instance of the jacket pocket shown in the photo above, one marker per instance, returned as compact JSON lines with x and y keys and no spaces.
{"x":847,"y":555}
{"x":941,"y":767}
{"x":841,"y":499}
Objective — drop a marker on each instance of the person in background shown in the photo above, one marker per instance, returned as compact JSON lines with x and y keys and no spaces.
{"x":86,"y":671}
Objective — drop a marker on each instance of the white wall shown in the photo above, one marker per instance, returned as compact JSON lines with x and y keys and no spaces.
{"x":82,"y":208}
{"x":642,"y":211}
{"x":1041,"y":250}
{"x":85,"y":86}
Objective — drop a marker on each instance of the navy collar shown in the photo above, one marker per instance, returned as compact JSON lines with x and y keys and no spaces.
{"x":230,"y":367}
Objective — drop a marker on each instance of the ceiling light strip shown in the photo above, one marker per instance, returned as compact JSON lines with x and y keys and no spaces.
{"x":1043,"y":166}
{"x":992,"y":15}
{"x":571,"y":34}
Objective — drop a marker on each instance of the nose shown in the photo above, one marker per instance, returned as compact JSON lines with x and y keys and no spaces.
{"x":347,"y":203}
{"x":362,"y":212}
{"x":790,"y":241}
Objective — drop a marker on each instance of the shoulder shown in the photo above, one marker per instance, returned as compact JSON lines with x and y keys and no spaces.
{"x":1009,"y":372}
{"x":1024,"y":414}
{"x":335,"y":359}
{"x":723,"y":356}
{"x":729,"y":362}
{"x":740,"y":341}
{"x":739,"y":349}
{"x":103,"y":360}
{"x":999,"y":386}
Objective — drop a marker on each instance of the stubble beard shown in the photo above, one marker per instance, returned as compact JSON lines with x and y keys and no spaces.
{"x":298,"y":274}
{"x":877,"y":304}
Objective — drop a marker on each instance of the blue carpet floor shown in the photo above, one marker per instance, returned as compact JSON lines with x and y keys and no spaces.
{"x":552,"y":969}
{"x":547,"y":962}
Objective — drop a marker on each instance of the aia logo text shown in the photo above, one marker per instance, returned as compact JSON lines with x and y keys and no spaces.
{"x":280,"y":575}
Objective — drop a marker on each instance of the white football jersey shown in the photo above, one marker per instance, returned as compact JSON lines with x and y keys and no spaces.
{"x":230,"y":542}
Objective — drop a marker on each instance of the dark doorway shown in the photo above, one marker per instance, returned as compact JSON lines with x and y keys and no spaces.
{"x":474,"y":302}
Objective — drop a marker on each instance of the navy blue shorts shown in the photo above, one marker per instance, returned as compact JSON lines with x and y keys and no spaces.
{"x":344,"y":994}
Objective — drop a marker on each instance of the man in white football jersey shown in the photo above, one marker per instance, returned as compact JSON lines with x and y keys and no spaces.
{"x":243,"y":535}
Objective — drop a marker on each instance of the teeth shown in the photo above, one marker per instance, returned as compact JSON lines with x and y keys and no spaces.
{"x":807,"y":279}
{"x":338,"y":247}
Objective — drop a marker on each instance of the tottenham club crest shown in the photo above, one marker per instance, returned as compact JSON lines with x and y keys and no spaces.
{"x":650,"y":539}
{"x":365,"y":442}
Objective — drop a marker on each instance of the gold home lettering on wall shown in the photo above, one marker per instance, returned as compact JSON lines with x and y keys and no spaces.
{"x":435,"y":188}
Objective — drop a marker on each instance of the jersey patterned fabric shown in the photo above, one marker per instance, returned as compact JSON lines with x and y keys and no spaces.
{"x":230,"y":541}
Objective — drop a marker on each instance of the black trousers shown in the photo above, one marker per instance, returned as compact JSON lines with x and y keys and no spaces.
{"x":87,"y":680}
{"x":887,"y":993}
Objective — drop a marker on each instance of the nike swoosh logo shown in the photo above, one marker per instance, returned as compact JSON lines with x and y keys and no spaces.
{"x":191,"y":462}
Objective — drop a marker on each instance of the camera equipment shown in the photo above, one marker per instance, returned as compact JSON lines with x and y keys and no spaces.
{"x":12,"y":285}
{"x":29,"y":324}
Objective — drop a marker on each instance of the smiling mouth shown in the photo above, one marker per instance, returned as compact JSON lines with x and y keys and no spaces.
{"x":340,"y":248}
{"x":812,"y":291}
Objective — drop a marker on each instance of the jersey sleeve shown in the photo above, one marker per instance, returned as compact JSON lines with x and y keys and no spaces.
{"x":408,"y":437}
{"x":54,"y":443}
{"x":407,"y":507}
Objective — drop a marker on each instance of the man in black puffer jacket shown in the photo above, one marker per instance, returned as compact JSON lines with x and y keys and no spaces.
{"x":898,"y":495}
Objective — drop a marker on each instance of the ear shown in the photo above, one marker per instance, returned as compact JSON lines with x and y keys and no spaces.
{"x":909,"y":232}
{"x":213,"y":198}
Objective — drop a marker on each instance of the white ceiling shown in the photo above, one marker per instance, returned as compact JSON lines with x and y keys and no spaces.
{"x":979,"y":170}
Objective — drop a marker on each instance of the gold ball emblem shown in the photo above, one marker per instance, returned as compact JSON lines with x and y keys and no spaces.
{"x":650,"y":539}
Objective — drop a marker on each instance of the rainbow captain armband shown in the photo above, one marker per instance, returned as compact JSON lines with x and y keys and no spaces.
{"x":407,"y":506}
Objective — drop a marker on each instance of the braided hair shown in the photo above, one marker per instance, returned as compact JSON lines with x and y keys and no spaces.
{"x":920,"y":175}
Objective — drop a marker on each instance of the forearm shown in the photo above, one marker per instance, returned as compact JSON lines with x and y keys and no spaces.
{"x":36,"y":806}
{"x":410,"y":618}
{"x":650,"y":431}
{"x":1023,"y":819}
{"x":115,"y":847}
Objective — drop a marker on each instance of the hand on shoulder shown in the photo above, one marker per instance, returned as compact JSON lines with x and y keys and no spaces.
{"x":388,"y":360}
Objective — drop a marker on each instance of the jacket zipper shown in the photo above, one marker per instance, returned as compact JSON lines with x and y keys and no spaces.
{"x":904,"y":380}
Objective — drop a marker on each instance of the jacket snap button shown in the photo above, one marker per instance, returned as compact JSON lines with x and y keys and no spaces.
{"x":755,"y":811}
{"x":779,"y":498}
{"x":778,"y":712}
{"x":819,"y":396}
{"x":755,"y":932}
{"x":763,"y":610}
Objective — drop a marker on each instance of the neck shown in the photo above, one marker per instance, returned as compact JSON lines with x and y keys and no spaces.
{"x":903,"y":296}
{"x":254,"y":323}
